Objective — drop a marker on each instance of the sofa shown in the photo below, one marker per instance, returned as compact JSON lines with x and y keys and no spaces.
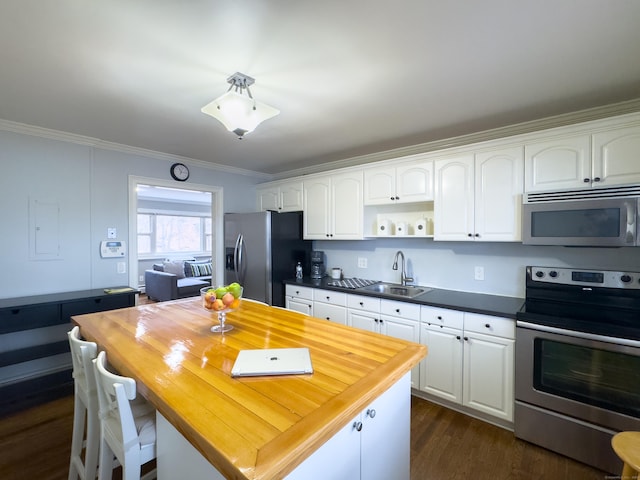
{"x":173,"y":279}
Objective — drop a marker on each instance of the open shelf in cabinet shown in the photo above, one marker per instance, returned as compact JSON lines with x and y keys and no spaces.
{"x":412,"y":215}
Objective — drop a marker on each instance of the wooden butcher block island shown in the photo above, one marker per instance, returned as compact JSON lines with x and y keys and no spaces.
{"x":261,"y":427}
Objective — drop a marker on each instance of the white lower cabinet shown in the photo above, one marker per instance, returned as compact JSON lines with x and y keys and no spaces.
{"x":375,"y":445}
{"x":363,"y":312}
{"x":330,"y":305}
{"x":299,"y":299}
{"x":470,"y":360}
{"x":388,"y":317}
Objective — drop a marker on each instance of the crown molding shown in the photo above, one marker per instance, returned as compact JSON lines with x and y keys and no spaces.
{"x":22,"y":128}
{"x":596,"y":113}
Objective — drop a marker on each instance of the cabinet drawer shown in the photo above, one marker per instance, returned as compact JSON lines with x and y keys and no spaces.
{"x":487,"y":324}
{"x":442,"y":317}
{"x":329,"y":296}
{"x":329,"y":311}
{"x":400,"y":309}
{"x":300,"y":292}
{"x":361,"y":302}
{"x":92,"y":305}
{"x":29,"y":317}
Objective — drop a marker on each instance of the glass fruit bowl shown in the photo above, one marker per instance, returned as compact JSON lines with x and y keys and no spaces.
{"x":221,"y":300}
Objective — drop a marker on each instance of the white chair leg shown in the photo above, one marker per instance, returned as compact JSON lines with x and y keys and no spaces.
{"x":75,"y":463}
{"x":92,"y":448}
{"x":131,"y":467}
{"x":105,"y":465}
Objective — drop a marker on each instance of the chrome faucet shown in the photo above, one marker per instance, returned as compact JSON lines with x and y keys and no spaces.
{"x":403,"y":278}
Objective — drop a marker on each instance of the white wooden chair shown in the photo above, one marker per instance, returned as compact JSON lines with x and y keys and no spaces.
{"x":127,"y":425}
{"x":85,"y":409}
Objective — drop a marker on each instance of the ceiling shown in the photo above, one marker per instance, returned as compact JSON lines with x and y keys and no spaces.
{"x":350,"y":77}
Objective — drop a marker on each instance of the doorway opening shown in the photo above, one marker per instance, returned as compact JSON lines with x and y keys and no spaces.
{"x":167,"y":221}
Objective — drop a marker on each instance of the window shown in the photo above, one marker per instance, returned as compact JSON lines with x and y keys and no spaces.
{"x":170,"y":222}
{"x":165,"y":234}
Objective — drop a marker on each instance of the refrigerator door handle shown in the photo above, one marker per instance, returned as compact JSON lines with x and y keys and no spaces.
{"x":239,"y":250}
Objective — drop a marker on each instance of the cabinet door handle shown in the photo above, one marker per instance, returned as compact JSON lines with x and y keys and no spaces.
{"x":397,"y":310}
{"x":328,"y":318}
{"x":391,"y":198}
{"x":397,"y":198}
{"x":327,"y":297}
{"x":477,"y":235}
{"x":457,"y":337}
{"x":439,"y":317}
{"x":487,"y":325}
{"x":357,"y":426}
{"x":371,"y":412}
{"x":362,"y":304}
{"x":466,"y":339}
{"x":597,"y":179}
{"x":586,"y":180}
{"x":469,"y":235}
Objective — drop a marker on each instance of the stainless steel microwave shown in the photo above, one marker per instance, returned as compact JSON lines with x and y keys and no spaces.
{"x":585,"y":218}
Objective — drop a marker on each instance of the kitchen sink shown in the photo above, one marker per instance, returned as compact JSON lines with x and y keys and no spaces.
{"x":395,"y":290}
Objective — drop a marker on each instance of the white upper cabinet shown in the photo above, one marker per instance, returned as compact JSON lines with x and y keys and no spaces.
{"x":281,"y":197}
{"x":407,"y":183}
{"x":333,"y":207}
{"x":558,"y":164}
{"x":604,"y":159}
{"x":479,"y":197}
{"x":616,"y":157}
{"x":499,"y":177}
{"x":453,"y":203}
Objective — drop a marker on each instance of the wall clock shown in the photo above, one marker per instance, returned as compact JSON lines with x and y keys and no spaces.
{"x":179,"y":172}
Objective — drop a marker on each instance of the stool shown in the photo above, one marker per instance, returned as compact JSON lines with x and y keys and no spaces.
{"x":627,"y":447}
{"x":127,"y":424}
{"x":85,"y":406}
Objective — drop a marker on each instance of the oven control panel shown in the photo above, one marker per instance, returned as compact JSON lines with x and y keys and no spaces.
{"x":595,"y":278}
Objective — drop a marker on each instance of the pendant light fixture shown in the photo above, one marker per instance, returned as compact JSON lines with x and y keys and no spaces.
{"x":237,"y":110}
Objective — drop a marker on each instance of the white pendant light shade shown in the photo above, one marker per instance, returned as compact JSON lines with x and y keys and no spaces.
{"x":239,"y":112}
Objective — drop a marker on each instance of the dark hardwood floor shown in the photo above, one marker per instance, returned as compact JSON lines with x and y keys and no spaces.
{"x":35,"y":443}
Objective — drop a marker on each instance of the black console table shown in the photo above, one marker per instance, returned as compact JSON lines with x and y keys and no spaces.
{"x":35,"y":362}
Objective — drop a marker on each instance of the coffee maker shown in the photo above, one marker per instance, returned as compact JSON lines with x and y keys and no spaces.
{"x":317,"y":264}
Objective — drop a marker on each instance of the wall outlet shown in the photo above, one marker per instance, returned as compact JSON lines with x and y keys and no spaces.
{"x":122,"y":267}
{"x":479,"y":273}
{"x":362,"y":262}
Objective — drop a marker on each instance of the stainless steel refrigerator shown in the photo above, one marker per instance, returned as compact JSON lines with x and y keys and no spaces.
{"x":261,"y":250}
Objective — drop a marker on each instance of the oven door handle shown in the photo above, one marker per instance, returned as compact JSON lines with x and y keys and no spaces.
{"x":576,"y":334}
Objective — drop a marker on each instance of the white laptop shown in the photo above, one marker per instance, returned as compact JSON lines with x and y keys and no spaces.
{"x":272,"y":361}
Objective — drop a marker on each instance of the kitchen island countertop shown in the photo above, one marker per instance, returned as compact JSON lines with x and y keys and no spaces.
{"x":254,"y":427}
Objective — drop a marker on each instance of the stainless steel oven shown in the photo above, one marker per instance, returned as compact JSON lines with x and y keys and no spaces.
{"x":578,"y":362}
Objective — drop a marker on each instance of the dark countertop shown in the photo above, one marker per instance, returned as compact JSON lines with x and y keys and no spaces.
{"x":482,"y":303}
{"x":38,"y":299}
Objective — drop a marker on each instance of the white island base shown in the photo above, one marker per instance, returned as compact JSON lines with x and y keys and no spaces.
{"x":378,"y":450}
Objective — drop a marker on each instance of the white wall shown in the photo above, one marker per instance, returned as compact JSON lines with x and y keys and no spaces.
{"x":450,"y":265}
{"x":90,"y":186}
